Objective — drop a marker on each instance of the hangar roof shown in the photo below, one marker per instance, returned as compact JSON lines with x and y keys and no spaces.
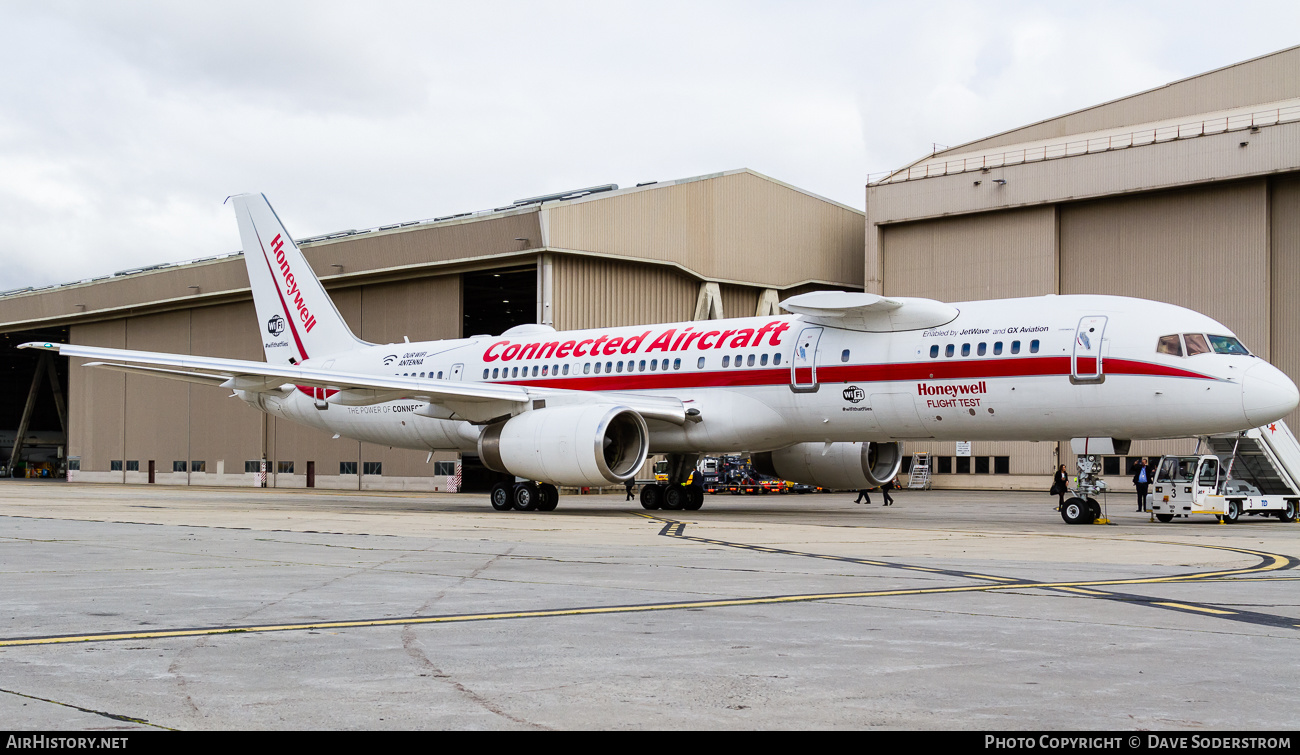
{"x":737,"y":226}
{"x":1257,"y":92}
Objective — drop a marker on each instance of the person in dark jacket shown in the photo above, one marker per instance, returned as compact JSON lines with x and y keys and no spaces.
{"x":1142,"y":472}
{"x":1060,"y":486}
{"x":889,"y":501}
{"x":863,"y":494}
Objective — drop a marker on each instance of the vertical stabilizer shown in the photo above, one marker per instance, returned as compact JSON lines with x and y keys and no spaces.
{"x":296,"y":319}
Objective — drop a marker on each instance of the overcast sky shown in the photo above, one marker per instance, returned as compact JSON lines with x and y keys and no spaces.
{"x":123,"y":125}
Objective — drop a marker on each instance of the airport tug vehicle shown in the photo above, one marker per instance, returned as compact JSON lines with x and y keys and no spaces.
{"x":1203,"y":484}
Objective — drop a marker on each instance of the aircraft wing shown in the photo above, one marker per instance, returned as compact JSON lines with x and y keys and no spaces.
{"x":871,"y":313}
{"x":471,"y":401}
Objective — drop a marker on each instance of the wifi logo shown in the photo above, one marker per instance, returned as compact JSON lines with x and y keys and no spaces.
{"x":390,"y":359}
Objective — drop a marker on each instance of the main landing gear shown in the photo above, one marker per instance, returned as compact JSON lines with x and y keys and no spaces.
{"x":681,"y":492}
{"x":524,"y":496}
{"x":672,"y":497}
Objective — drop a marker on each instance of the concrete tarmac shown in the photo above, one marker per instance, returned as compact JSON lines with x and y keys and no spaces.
{"x":144,"y":607}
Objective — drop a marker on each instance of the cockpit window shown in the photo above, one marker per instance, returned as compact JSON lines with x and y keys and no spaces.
{"x":1169,"y":345}
{"x":1195,"y":344}
{"x":1227,"y":345}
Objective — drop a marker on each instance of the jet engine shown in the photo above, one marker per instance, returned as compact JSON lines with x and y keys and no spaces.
{"x":598,"y":444}
{"x":851,"y":466}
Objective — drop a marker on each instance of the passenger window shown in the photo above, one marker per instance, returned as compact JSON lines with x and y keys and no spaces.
{"x":1227,"y":345}
{"x":642,"y":367}
{"x":738,"y":359}
{"x":1195,"y":344}
{"x":619,"y":367}
{"x":726,"y":361}
{"x":544,"y":370}
{"x":566,"y":369}
{"x":609,"y":367}
{"x":762,"y":361}
{"x":485,"y":373}
{"x":997,"y":348}
{"x":934,"y":351}
{"x":1033,"y":346}
{"x":514,"y":372}
{"x":750,"y":360}
{"x":983,"y":347}
{"x":597,"y":368}
{"x":440,"y":374}
{"x":844,"y":355}
{"x":776,"y":358}
{"x":653,"y":364}
{"x":948,"y":350}
{"x":965,"y":349}
{"x":677,"y":363}
{"x":1015,"y":347}
{"x":586,"y":368}
{"x":700,"y":364}
{"x":495,"y":371}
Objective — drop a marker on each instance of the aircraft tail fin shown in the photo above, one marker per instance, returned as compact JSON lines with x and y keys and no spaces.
{"x":296,"y":319}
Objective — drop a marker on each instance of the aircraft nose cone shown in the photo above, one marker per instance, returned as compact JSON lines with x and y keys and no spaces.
{"x":1267,"y":394}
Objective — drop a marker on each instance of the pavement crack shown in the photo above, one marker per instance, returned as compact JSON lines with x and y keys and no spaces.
{"x":105,"y":714}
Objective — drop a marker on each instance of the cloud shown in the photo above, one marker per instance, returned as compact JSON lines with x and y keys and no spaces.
{"x":124,"y":125}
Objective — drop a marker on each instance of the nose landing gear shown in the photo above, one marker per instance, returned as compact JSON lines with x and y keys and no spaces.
{"x":1083,"y":508}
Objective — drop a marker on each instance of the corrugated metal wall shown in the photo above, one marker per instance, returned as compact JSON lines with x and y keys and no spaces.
{"x":95,"y":399}
{"x":1284,"y":242}
{"x":989,"y":256}
{"x":739,"y":301}
{"x":590,"y":293}
{"x":1204,"y":249}
{"x":721,"y":228}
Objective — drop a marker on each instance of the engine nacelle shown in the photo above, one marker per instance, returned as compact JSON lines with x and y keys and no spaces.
{"x":851,"y":466}
{"x":599,"y":444}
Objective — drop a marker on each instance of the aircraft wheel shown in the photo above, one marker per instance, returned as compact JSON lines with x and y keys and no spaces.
{"x":548,"y":497}
{"x":675,"y":498}
{"x":652,"y":497}
{"x":1233,"y":512}
{"x":526,"y":496}
{"x":502,"y":496}
{"x":1094,"y":511}
{"x":1289,"y":513}
{"x":1166,"y":518}
{"x":694,"y":497}
{"x":1075,"y":511}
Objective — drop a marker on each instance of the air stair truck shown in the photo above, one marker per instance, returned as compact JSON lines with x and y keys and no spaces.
{"x":1255,"y":472}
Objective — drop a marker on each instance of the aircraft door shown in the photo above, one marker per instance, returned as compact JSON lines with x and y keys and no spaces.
{"x":1086,"y":358}
{"x":456,"y":370}
{"x":803,"y":367}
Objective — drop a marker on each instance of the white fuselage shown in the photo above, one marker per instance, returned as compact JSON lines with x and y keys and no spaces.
{"x":1012,"y":369}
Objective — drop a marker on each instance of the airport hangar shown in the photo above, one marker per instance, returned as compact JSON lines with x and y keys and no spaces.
{"x":726,"y":244}
{"x":1188,"y":193}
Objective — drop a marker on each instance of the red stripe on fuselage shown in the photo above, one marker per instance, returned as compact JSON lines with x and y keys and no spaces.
{"x":859,"y":373}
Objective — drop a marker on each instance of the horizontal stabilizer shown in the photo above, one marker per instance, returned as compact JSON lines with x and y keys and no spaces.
{"x":871,"y":313}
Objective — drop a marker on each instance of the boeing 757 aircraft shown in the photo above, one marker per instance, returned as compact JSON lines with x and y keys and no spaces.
{"x":821,"y":396}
